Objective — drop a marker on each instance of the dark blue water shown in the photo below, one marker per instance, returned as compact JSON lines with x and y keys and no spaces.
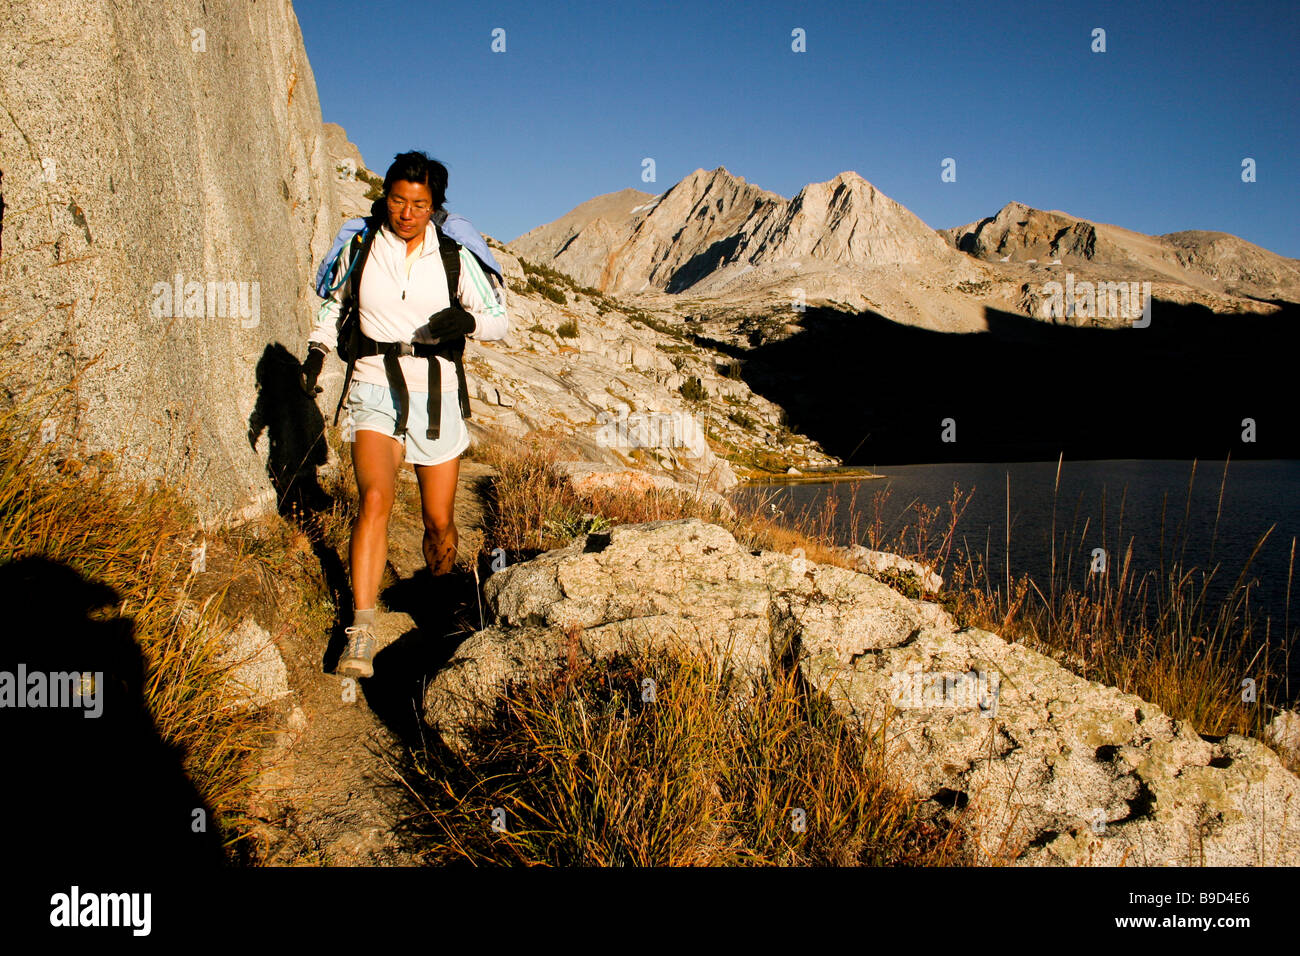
{"x":1257,"y":496}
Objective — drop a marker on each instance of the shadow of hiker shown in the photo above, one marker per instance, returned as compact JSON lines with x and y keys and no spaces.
{"x":445,"y":612}
{"x":296,"y":430}
{"x":89,"y":782}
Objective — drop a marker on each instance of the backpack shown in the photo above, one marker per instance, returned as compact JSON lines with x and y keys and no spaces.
{"x":360,"y":231}
{"x":349,"y":341}
{"x":349,"y":327}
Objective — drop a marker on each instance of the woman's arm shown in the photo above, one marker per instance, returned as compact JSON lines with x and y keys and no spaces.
{"x":326,"y":331}
{"x":491,"y":322}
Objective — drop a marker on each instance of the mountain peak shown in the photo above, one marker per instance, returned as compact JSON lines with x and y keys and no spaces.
{"x":702,"y":175}
{"x":850,"y":176}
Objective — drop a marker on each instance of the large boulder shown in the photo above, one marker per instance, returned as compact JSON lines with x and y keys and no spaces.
{"x":146,"y":141}
{"x":1039,"y":765}
{"x":1049,"y":768}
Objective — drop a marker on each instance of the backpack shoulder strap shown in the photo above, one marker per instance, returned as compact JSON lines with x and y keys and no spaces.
{"x":453,"y":351}
{"x":361,"y":244}
{"x":450,"y":250}
{"x":349,"y":327}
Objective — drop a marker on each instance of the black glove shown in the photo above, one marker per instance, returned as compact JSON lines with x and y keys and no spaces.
{"x":310,"y":371}
{"x":447,"y":324}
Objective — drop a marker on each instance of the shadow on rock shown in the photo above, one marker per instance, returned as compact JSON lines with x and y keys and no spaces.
{"x":445,"y":612}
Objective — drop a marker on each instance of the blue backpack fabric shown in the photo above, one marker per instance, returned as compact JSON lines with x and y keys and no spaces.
{"x":454,"y":225}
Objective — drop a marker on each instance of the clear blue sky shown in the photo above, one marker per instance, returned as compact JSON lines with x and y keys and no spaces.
{"x":1149,"y":135}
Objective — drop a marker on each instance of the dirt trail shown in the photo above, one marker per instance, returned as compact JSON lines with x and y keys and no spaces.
{"x":329,"y":796}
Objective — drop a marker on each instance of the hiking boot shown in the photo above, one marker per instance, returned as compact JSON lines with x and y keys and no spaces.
{"x":358,"y":656}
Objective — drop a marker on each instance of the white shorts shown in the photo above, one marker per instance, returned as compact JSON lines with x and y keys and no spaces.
{"x":374,"y":408}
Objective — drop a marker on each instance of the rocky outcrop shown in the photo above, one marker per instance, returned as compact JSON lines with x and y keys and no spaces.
{"x":689,"y":233}
{"x":255,"y":675}
{"x":576,"y":242}
{"x":846,"y":221}
{"x":877,"y":562}
{"x":352,"y":180}
{"x":1211,"y":262}
{"x":612,"y":386}
{"x":1038,"y":764}
{"x":1240,"y":267}
{"x":166,"y":194}
{"x":1283,"y":733}
{"x":1021,"y":233}
{"x":252,"y":669}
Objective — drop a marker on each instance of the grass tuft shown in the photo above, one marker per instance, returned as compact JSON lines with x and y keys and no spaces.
{"x":582,"y":770}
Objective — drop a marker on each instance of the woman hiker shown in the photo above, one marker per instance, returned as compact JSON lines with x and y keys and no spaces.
{"x":409,"y":373}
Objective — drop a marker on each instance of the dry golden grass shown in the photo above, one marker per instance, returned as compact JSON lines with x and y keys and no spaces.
{"x":589,"y":773}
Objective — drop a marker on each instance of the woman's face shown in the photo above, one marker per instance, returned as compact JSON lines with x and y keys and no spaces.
{"x":409,"y":207}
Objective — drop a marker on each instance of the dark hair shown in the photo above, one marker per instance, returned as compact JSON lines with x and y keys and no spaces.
{"x":418,"y":167}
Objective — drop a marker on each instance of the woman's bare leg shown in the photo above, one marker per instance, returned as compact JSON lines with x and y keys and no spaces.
{"x":438,"y":505}
{"x":375,"y":459}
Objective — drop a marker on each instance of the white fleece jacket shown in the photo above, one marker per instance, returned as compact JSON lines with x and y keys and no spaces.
{"x":394,"y":305}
